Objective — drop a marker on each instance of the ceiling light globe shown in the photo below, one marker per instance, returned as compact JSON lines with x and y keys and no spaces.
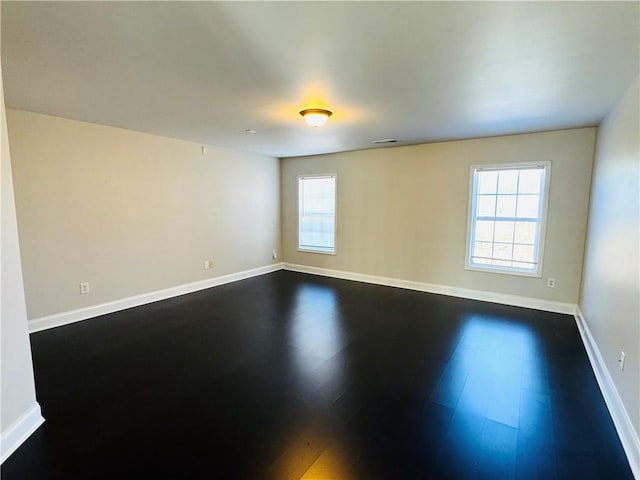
{"x":316,"y":117}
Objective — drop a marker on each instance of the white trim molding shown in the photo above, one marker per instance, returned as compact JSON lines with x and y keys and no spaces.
{"x":72,"y":316}
{"x":64,"y":318}
{"x":19,"y":431}
{"x":540,"y":219}
{"x":504,"y":299}
{"x":621,"y":420}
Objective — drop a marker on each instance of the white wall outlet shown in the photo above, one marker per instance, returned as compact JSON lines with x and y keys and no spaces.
{"x":84,"y":288}
{"x":621,"y":361}
{"x":208,"y":264}
{"x":205,"y":151}
{"x":274,"y":255}
{"x":551,"y":282}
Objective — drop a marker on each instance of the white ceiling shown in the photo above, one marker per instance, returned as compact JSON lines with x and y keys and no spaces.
{"x":415,"y":71}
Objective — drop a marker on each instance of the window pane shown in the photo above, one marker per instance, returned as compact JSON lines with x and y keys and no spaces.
{"x":317,"y":231}
{"x":528,"y":206}
{"x":482,"y":249}
{"x":507,"y":220}
{"x":484,"y":231}
{"x":483,"y":261}
{"x":502,"y":251}
{"x":504,"y":232}
{"x":523,"y":253}
{"x":530,"y":181}
{"x":316,"y":222}
{"x":508,"y":181}
{"x":487,"y":181}
{"x":506,"y":206}
{"x":318,"y":195}
{"x":525,"y":232}
{"x":486,"y":205}
{"x":502,"y":263}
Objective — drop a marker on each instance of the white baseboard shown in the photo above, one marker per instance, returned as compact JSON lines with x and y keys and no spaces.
{"x":19,"y":431}
{"x":626,"y":432}
{"x":64,"y":318}
{"x":504,"y":299}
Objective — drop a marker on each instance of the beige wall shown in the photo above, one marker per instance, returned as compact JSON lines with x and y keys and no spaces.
{"x":402,"y":212}
{"x":132,"y":213}
{"x":17,"y":391}
{"x":610,"y":297}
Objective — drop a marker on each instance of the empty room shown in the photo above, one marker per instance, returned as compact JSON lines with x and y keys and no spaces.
{"x":320,"y":240}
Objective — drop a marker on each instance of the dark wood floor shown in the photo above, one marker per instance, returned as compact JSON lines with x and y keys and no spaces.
{"x":290,"y":376}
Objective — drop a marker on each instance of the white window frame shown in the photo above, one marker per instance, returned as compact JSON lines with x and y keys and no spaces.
{"x":335,"y":213}
{"x":543,"y":209}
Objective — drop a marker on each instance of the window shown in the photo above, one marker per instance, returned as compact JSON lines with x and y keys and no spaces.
{"x":317,"y":213}
{"x":507,"y":215}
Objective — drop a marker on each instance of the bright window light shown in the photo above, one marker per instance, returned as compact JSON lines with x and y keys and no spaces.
{"x":507,"y":217}
{"x":317,"y":213}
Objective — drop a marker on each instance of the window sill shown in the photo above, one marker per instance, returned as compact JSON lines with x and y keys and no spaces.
{"x":303,"y":250}
{"x":489,"y":269}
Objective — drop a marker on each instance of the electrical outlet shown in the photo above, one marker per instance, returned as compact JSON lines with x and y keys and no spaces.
{"x":621,"y":361}
{"x":84,"y":288}
{"x":551,"y":282}
{"x":274,"y":255}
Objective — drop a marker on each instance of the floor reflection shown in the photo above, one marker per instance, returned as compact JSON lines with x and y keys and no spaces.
{"x":288,"y":375}
{"x":317,"y":335}
{"x":331,"y":464}
{"x":495,"y":382}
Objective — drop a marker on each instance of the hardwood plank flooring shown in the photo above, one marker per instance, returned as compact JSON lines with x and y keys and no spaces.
{"x":293,"y":376}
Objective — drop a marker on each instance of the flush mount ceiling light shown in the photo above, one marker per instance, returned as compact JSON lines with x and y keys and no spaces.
{"x":316,"y":117}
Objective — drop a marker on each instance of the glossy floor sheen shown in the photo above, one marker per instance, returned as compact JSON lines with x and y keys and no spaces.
{"x":289,"y":376}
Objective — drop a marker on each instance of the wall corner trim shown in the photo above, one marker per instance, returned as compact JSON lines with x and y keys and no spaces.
{"x":626,"y":432}
{"x":493,"y":297}
{"x":19,"y":431}
{"x":64,"y":318}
